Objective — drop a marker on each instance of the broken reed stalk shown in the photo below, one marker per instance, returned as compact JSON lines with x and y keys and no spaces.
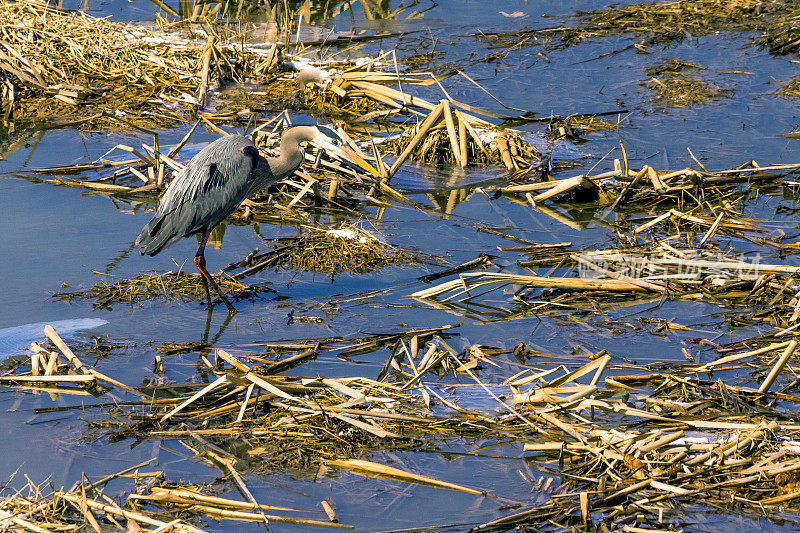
{"x":422,"y":130}
{"x":480,"y":279}
{"x":51,"y":334}
{"x":744,"y":355}
{"x":130,"y":515}
{"x":202,"y":92}
{"x":451,"y":132}
{"x":778,"y":367}
{"x":560,"y":187}
{"x":363,"y":468}
{"x":505,"y":153}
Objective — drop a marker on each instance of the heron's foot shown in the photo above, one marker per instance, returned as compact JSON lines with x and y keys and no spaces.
{"x":231,"y":309}
{"x":200,"y":262}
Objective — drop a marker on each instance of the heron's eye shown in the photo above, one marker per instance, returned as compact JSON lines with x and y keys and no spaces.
{"x":250,"y":151}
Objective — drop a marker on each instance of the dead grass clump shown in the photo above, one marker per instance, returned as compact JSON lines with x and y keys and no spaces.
{"x":436,"y":149}
{"x":678,"y":89}
{"x":501,"y":147}
{"x":573,"y":128}
{"x":148,"y":286}
{"x":790,"y":89}
{"x":349,"y":249}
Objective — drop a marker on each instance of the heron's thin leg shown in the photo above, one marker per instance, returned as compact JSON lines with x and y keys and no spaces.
{"x":200,"y":262}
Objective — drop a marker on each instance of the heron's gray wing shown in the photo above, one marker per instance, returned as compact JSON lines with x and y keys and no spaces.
{"x":201,"y":196}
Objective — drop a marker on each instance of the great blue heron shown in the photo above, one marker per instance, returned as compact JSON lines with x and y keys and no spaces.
{"x":214,"y":183}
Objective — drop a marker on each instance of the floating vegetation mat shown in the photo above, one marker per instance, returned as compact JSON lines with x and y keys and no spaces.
{"x":664,"y":22}
{"x":630,"y":441}
{"x":648,"y":187}
{"x":348,"y":249}
{"x":598,"y":281}
{"x":575,"y":127}
{"x":790,"y":88}
{"x":150,"y":286}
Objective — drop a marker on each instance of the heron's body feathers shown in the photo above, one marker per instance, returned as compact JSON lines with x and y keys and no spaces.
{"x":208,"y":189}
{"x":214,"y":183}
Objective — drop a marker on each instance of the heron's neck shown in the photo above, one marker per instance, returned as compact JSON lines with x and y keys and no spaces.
{"x":291,"y":153}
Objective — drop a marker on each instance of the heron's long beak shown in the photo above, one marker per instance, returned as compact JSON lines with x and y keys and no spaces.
{"x":350,"y":155}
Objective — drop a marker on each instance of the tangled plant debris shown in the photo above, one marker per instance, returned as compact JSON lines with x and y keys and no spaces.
{"x":632,"y":457}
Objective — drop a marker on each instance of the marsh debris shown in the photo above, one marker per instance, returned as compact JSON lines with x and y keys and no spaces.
{"x":150,"y":501}
{"x":442,"y":144}
{"x":628,"y":439}
{"x":791,"y":88}
{"x":575,"y":127}
{"x":595,"y":282}
{"x":671,"y":65}
{"x":57,"y":62}
{"x":625,"y":186}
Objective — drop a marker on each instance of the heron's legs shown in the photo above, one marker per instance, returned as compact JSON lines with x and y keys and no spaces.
{"x":200,"y":263}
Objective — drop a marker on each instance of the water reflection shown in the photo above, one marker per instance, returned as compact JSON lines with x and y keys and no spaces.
{"x":11,"y":140}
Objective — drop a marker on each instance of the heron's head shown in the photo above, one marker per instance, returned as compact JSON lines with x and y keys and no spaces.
{"x":326,"y":138}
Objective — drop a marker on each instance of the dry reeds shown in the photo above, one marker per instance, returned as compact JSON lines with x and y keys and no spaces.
{"x":647,"y":186}
{"x":437,"y":140}
{"x":68,"y":64}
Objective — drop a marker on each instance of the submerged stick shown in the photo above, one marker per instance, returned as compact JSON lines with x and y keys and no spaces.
{"x":243,"y":515}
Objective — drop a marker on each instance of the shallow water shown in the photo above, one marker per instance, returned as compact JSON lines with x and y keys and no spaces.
{"x":54,"y":237}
